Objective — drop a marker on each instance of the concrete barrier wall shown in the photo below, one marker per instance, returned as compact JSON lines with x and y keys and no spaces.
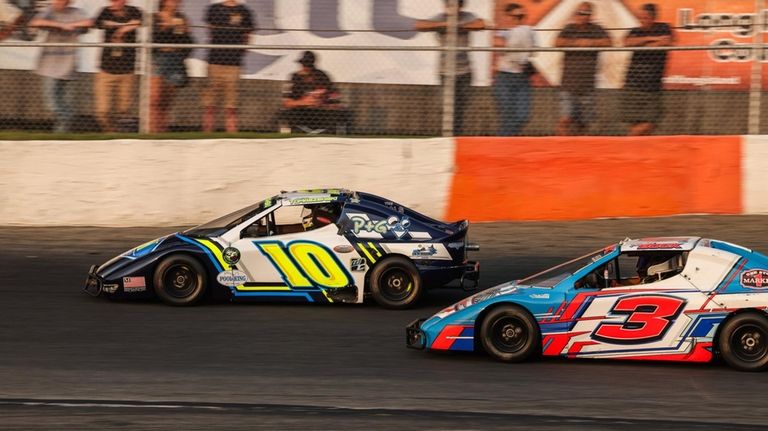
{"x":145,"y":183}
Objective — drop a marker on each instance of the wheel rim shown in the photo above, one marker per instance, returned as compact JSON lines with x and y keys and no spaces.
{"x":180,"y":280}
{"x":509,"y":334}
{"x":749,"y":343}
{"x":396,"y":284}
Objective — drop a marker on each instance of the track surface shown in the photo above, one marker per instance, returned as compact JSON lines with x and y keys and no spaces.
{"x":69,"y":361}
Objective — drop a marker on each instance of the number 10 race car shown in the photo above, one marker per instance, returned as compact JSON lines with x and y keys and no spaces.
{"x":676,"y":299}
{"x":303,"y":246}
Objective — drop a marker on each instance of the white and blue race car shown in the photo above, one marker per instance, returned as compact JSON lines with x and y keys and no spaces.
{"x":673,"y":299}
{"x":303,"y":246}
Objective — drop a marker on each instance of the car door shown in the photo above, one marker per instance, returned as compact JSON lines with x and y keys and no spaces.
{"x":306,"y":266}
{"x":631,"y":319}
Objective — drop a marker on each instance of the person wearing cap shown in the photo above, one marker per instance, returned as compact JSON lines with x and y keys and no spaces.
{"x":467,"y":22}
{"x":312,"y":102}
{"x":230,"y":23}
{"x":577,"y":89}
{"x":641,"y":99}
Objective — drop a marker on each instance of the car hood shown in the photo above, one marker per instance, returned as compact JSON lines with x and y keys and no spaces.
{"x":509,"y":291}
{"x":129,"y":257}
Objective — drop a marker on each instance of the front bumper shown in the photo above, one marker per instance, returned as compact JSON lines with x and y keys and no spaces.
{"x":93,"y":283}
{"x":415,"y":338}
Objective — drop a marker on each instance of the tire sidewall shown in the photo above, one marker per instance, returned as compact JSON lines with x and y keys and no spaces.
{"x":529,"y":349}
{"x":201,"y":280}
{"x":724,"y":345}
{"x":407,"y":266}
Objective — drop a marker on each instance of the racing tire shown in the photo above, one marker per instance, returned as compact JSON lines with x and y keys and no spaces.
{"x":743,"y":342}
{"x":510,"y":334}
{"x":180,"y":280}
{"x":395,"y":283}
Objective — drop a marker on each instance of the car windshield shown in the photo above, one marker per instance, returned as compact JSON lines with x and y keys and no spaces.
{"x":552,"y":276}
{"x":222,"y":224}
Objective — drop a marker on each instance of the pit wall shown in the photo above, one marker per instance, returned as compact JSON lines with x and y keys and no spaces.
{"x":164,"y":183}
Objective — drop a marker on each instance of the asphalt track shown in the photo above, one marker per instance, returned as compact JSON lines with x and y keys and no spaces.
{"x":69,"y":361}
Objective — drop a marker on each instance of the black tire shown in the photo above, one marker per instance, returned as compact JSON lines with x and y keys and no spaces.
{"x":395,"y":283}
{"x":180,"y":280}
{"x":743,"y":342}
{"x":510,"y":334}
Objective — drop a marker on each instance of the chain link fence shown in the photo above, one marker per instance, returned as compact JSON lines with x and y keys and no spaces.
{"x":221,"y":70}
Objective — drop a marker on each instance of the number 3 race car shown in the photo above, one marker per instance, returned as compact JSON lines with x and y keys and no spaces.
{"x":677,"y":299}
{"x":303,"y":246}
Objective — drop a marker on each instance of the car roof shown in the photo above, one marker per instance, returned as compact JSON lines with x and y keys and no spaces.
{"x":313,"y":196}
{"x":677,"y":243}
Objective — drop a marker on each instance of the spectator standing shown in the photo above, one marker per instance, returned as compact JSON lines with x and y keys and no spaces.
{"x":467,"y":22}
{"x":312,"y":102}
{"x":116,"y":77}
{"x":230,"y":23}
{"x":169,"y":26}
{"x":511,"y":84}
{"x":641,"y":101}
{"x":56,"y":65}
{"x":577,"y":92}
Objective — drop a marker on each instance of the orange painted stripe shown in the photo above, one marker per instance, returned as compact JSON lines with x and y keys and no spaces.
{"x":571,"y":178}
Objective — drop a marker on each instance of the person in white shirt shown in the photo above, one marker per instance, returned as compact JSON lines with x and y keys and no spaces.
{"x":511,"y":84}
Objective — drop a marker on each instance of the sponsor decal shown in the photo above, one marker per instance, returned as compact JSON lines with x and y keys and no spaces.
{"x":134,"y":284}
{"x":364,"y":224}
{"x":310,"y":200}
{"x":343,"y":248}
{"x":357,"y":264}
{"x":659,"y":245}
{"x":110,"y":288}
{"x":539,"y":296}
{"x":232,"y":278}
{"x":231,"y":255}
{"x":399,"y":227}
{"x":755,"y":279}
{"x":422,"y":251}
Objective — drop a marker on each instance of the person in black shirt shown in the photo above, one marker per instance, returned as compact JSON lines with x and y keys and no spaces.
{"x":312,"y":103}
{"x":577,"y":89}
{"x":641,"y":100}
{"x":230,"y":24}
{"x":116,"y":77}
{"x":169,"y":25}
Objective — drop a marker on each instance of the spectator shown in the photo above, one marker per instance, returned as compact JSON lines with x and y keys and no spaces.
{"x":511,"y":84}
{"x":10,"y":16}
{"x":467,"y":22}
{"x":119,"y":23}
{"x":230,"y":24}
{"x":56,"y":65}
{"x":577,"y":94}
{"x":312,"y":103}
{"x":170,"y":72}
{"x":641,"y":102}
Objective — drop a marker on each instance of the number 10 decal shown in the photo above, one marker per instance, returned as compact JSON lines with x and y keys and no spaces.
{"x":305,"y":264}
{"x":648,"y":319}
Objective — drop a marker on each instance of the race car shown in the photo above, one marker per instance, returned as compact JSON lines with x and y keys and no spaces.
{"x":664,"y":299}
{"x":330,"y":245}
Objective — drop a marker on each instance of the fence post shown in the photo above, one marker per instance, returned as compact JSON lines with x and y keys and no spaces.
{"x":449,"y":68}
{"x":146,"y":69}
{"x":756,"y":79}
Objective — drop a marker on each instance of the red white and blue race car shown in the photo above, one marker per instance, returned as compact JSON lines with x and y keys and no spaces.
{"x":675,"y":299}
{"x":304,"y":246}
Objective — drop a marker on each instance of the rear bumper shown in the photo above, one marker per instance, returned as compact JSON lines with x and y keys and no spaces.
{"x":471,"y":275}
{"x":415,"y":338}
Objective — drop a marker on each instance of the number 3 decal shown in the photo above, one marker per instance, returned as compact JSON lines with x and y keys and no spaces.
{"x":649,"y":318}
